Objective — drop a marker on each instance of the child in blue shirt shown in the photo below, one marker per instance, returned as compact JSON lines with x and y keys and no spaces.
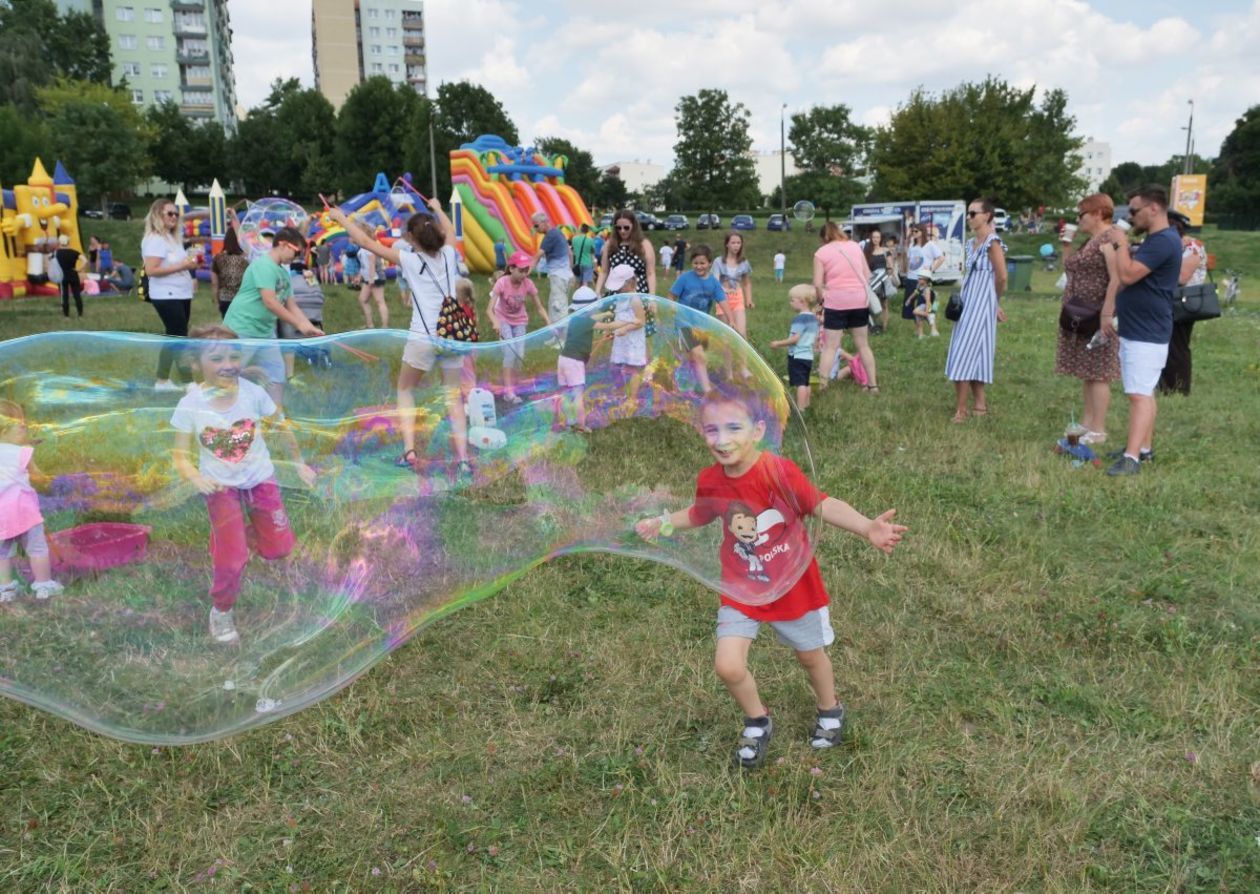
{"x":802,"y":335}
{"x":701,"y":291}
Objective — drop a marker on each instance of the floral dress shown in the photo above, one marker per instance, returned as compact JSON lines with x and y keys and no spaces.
{"x":1087,"y":282}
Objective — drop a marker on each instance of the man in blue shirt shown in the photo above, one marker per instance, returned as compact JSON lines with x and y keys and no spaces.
{"x":1148,"y":277}
{"x":555,"y":249}
{"x":699,"y":290}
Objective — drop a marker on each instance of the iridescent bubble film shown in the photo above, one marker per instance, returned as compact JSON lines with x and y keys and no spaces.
{"x":379,"y":549}
{"x":263,"y":217}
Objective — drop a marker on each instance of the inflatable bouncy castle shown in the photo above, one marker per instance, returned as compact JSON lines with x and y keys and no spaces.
{"x":383,"y":212}
{"x":34,"y":215}
{"x":500,"y":187}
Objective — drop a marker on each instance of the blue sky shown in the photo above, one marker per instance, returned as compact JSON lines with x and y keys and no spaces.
{"x":608,"y":76}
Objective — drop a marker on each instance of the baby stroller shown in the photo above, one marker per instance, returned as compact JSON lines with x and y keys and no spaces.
{"x":1049,"y":257}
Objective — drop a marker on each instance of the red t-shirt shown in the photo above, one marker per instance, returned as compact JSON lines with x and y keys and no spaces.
{"x":764,"y":541}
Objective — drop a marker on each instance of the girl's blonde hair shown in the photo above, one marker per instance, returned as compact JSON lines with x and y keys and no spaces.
{"x":464,"y":292}
{"x":11,"y":413}
{"x":806,"y":293}
{"x":155,"y":221}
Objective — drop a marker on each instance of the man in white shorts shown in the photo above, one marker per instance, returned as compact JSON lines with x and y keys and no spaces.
{"x":1144,"y":307}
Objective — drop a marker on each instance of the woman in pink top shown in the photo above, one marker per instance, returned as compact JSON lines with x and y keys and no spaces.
{"x":840,"y":277}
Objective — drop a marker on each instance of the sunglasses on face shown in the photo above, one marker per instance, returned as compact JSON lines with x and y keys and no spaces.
{"x":624,"y":228}
{"x":974,"y":213}
{"x":1133,"y":210}
{"x":170,"y":214}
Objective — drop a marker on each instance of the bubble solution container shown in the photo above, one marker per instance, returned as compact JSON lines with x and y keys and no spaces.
{"x":96,"y":546}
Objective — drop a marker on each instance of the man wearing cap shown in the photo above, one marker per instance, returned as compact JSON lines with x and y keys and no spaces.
{"x":1148,"y":277}
{"x":559,"y":259}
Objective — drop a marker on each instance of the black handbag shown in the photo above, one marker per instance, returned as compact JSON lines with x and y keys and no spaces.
{"x":1194,"y":303}
{"x":953,"y":308}
{"x":1079,"y":319}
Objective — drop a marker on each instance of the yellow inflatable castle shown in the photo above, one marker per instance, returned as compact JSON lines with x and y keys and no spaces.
{"x":35,"y":215}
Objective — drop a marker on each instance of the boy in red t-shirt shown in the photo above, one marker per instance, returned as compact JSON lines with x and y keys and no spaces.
{"x":761,"y":497}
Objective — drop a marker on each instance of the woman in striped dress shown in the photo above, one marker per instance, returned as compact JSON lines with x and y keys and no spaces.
{"x":974,"y":340}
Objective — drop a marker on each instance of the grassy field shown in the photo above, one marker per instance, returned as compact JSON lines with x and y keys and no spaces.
{"x":1052,"y":685}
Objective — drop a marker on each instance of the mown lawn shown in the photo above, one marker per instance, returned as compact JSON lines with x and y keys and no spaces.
{"x":1052,"y":685}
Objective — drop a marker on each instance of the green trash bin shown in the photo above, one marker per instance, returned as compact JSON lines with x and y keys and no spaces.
{"x":1019,"y":270}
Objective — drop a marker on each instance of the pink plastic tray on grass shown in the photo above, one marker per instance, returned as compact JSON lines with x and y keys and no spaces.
{"x":97,"y":546}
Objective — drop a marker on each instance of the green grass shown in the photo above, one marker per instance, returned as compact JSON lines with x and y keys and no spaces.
{"x":1052,"y":683}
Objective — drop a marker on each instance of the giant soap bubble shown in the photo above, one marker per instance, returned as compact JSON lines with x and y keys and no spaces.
{"x":379,"y":550}
{"x":262,"y":218}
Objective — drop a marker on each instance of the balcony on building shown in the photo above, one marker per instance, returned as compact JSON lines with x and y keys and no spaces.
{"x":188,"y":5}
{"x":189,"y":27}
{"x":413,"y":58}
{"x":186,"y":56}
{"x":412,"y":20}
{"x":415,"y":41}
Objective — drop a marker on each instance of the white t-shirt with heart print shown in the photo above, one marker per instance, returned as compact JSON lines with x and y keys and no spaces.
{"x":231,"y":450}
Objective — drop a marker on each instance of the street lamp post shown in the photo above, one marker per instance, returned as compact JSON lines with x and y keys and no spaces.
{"x":782,"y":162}
{"x":1187,"y":166}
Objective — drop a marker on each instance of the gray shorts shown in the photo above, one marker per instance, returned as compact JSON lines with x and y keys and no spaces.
{"x":810,"y":631}
{"x":267,"y":358}
{"x":33,"y":541}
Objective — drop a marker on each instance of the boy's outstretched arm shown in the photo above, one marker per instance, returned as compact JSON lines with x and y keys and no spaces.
{"x":650,"y":528}
{"x":880,"y":532}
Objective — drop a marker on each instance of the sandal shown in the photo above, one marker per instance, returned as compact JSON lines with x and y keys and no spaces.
{"x":464,"y":469}
{"x":959,"y":417}
{"x":580,"y":429}
{"x":873,"y":389}
{"x":828,"y":735}
{"x":408,"y":460}
{"x":750,"y":753}
{"x":980,"y":411}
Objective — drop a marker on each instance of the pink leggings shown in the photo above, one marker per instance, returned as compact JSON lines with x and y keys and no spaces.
{"x":231,"y":536}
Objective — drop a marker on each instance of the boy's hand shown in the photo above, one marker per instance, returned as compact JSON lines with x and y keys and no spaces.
{"x":310,"y":330}
{"x":337,"y":215}
{"x":648,"y":528}
{"x":307,"y":474}
{"x":883,"y":534}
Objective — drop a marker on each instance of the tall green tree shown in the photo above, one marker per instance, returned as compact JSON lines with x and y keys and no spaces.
{"x":309,"y":123}
{"x":580,"y":172}
{"x":22,"y":139}
{"x":39,"y":45}
{"x":99,"y":135}
{"x":1234,"y":183}
{"x":284,"y":146}
{"x":711,"y":157}
{"x":610,"y":193}
{"x":826,"y":138}
{"x":980,"y":139}
{"x":460,"y":113}
{"x":372,"y":127}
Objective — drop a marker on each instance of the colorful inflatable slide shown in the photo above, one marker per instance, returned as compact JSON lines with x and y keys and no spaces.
{"x":500,"y":188}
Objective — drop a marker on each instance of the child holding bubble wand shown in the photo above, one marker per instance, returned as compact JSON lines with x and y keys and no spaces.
{"x":760,"y":495}
{"x":226,"y":414}
{"x":20,"y":518}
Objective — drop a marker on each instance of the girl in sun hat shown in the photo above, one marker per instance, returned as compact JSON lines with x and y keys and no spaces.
{"x":510,"y":317}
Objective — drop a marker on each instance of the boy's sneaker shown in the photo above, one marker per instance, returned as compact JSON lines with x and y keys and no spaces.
{"x":828,"y":728}
{"x":46,"y":589}
{"x":222,"y":627}
{"x":1145,"y":456}
{"x":750,"y":753}
{"x":1124,"y":467}
{"x":9,"y":591}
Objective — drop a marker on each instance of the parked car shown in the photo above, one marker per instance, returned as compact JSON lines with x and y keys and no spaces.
{"x":649,"y":221}
{"x":778,"y":222}
{"x":677,"y":222}
{"x":708,"y":222}
{"x":94,"y":213}
{"x":743,"y":222}
{"x":605,"y":221}
{"x":1001,"y":220}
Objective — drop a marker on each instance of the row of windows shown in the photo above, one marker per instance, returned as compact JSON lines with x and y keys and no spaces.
{"x":378,"y":68}
{"x":159,"y":70}
{"x":374,"y":31}
{"x":128,"y":14}
{"x":131,"y":42}
{"x":161,"y":96}
{"x":376,"y":13}
{"x":391,"y":50}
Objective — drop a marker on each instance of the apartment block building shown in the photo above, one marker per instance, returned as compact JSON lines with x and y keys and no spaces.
{"x":177,"y":50}
{"x":356,"y":39}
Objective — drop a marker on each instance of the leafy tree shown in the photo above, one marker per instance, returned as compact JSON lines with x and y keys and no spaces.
{"x":1129,"y":175}
{"x":826,"y":138}
{"x":580,"y":172}
{"x":372,"y":126}
{"x":610,"y":192}
{"x":1235,"y":177}
{"x":173,"y":145}
{"x":831,"y":194}
{"x":37,"y":45}
{"x":256,"y":154}
{"x":99,"y":135}
{"x":309,"y":123}
{"x":980,"y":139}
{"x":711,"y":157}
{"x":466,"y":111}
{"x":665,"y":193}
{"x":284,"y":146}
{"x":22,"y":139}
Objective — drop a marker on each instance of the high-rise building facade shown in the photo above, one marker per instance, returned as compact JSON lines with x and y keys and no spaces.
{"x":177,"y":50}
{"x":357,"y":39}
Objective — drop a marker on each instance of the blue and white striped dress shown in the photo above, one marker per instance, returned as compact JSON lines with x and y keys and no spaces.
{"x":974,"y":340}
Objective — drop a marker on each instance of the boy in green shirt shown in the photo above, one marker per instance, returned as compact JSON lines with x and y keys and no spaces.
{"x":263,"y":298}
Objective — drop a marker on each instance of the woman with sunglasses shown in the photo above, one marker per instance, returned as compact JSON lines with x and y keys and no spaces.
{"x":973,"y":343}
{"x":169,"y":269}
{"x":628,"y":245}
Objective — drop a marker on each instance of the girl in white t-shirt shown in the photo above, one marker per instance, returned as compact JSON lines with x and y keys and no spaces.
{"x":432,"y":270}
{"x":226,"y":414}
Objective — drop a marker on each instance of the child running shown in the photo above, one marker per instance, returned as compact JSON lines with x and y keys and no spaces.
{"x":510,"y":317}
{"x":802,"y":336}
{"x":575,"y":353}
{"x":744,"y":487}
{"x":920,"y":306}
{"x":20,"y":518}
{"x":226,"y":414}
{"x":699,"y":290}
